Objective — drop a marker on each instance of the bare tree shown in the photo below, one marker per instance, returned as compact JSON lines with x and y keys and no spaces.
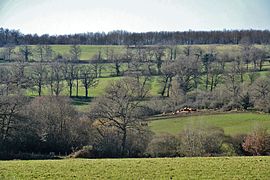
{"x":40,"y":52}
{"x":56,"y":78}
{"x":57,"y":123}
{"x":39,"y":76}
{"x":10,"y":107}
{"x":9,"y":51}
{"x":88,"y":78}
{"x":6,"y":80}
{"x":69,"y":72}
{"x":75,"y":51}
{"x":168,"y":72}
{"x":207,"y":60}
{"x":25,"y":51}
{"x":186,"y":68}
{"x":261,"y":94}
{"x":159,"y":53}
{"x":120,"y":109}
{"x":48,"y":53}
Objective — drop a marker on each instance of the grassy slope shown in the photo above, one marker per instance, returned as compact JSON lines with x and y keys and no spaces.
{"x":166,"y":168}
{"x":231,"y":123}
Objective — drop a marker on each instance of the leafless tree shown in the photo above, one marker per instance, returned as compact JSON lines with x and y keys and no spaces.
{"x":207,"y":59}
{"x":39,"y":75}
{"x":8,"y":51}
{"x":186,"y":68}
{"x":159,"y":53}
{"x":120,"y":108}
{"x":88,"y":78}
{"x":69,"y":73}
{"x":25,"y":52}
{"x":10,"y":107}
{"x":75,"y":51}
{"x":56,"y":78}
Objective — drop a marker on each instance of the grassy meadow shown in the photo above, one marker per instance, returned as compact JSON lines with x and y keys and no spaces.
{"x":153,"y":168}
{"x":232,"y":123}
{"x":89,"y":51}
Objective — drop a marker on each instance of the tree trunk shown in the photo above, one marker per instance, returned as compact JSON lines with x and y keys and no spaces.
{"x":165,"y":86}
{"x":169,"y":86}
{"x":86,"y":91}
{"x":77,"y":87}
{"x":207,"y":81}
{"x":39,"y":88}
{"x":124,"y":139}
{"x":212,"y":83}
{"x":70,"y":88}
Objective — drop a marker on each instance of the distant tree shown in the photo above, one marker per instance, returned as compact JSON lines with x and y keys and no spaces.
{"x":246,"y":48}
{"x":77,"y":78}
{"x":207,"y":60}
{"x":25,"y":52}
{"x":48,"y":53}
{"x":8,"y":51}
{"x":56,"y":78}
{"x":6,"y":81}
{"x":39,"y":76}
{"x":88,"y":78}
{"x":19,"y":76}
{"x":168,"y":72}
{"x":98,"y":66}
{"x":40,"y":52}
{"x":159,"y":52}
{"x":116,"y":59}
{"x":261,"y":94}
{"x":186,"y":68}
{"x":69,"y":72}
{"x":75,"y":52}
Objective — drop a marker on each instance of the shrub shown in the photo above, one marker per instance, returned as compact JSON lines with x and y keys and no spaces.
{"x":164,"y":145}
{"x":258,"y":142}
{"x":201,"y":141}
{"x":237,"y":141}
{"x":85,"y":152}
{"x":227,"y":149}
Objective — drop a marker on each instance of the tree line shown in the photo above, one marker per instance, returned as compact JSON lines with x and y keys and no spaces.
{"x":120,"y":37}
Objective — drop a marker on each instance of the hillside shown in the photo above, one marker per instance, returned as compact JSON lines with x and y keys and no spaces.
{"x":232,"y":123}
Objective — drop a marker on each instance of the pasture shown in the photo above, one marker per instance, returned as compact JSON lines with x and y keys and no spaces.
{"x":232,"y":123}
{"x":156,"y":168}
{"x":89,"y":51}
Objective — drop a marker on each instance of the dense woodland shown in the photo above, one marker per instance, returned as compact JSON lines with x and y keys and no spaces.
{"x":120,"y":37}
{"x":115,"y":125}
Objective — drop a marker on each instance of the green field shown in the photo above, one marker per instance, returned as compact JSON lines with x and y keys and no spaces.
{"x":232,"y":123}
{"x":88,"y":51}
{"x":166,"y":168}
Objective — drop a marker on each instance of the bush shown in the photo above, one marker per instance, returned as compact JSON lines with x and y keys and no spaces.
{"x":201,"y":141}
{"x":85,"y":152}
{"x":227,"y":149}
{"x":237,"y":142}
{"x":164,"y":145}
{"x":258,"y":142}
